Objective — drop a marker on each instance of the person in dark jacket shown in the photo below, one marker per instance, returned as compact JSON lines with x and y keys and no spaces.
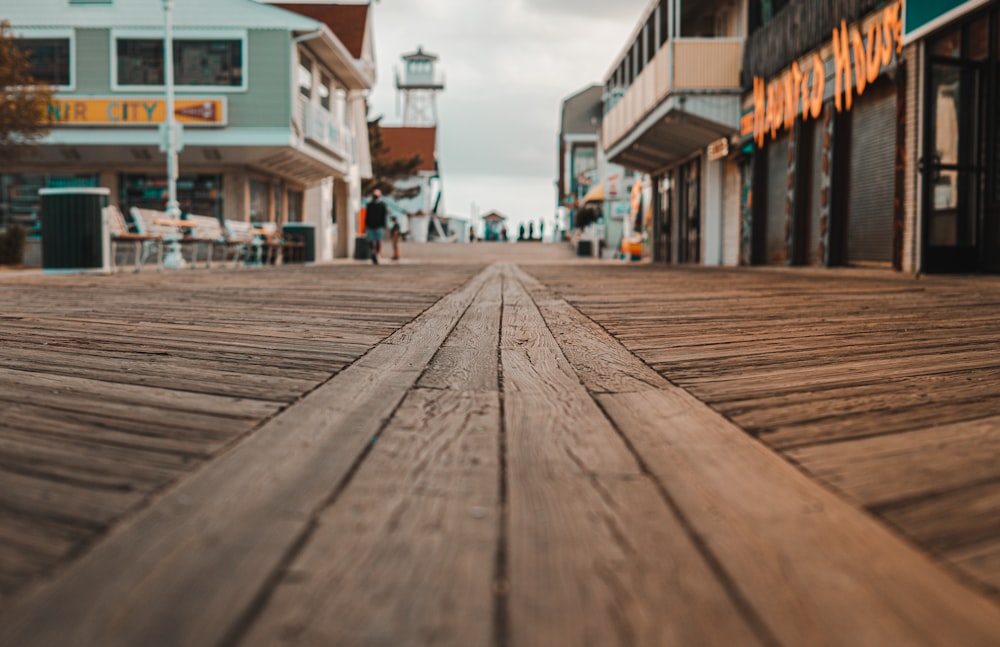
{"x":375,"y":224}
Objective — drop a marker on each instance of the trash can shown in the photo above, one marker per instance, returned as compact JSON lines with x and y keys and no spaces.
{"x":73,"y":228}
{"x":362,"y":249}
{"x":297,"y":232}
{"x":584,"y":248}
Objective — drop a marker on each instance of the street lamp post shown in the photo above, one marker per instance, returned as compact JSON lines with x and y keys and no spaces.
{"x":173,"y":258}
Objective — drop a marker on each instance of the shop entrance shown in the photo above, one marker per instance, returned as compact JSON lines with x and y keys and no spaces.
{"x":960,"y":196}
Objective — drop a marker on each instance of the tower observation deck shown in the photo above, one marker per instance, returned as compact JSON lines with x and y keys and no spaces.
{"x":418,"y":81}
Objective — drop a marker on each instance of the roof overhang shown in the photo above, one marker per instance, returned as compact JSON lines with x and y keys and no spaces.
{"x":322,"y":42}
{"x":680,"y":127}
{"x":275,"y":152}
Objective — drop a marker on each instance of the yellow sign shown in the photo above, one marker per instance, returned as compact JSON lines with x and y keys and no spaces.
{"x":136,"y":111}
{"x":799,"y":94}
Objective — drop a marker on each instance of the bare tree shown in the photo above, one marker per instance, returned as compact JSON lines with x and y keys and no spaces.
{"x":24,"y":102}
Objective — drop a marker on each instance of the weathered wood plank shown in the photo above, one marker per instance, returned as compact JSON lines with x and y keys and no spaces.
{"x":467,"y":361}
{"x":405,"y":556}
{"x":783,"y":540}
{"x":766,"y":515}
{"x":554,"y":425}
{"x":943,"y":523}
{"x":825,"y":360}
{"x":411,"y":541}
{"x":602,"y":367}
{"x":141,"y":400}
{"x":195,"y":562}
{"x":877,"y":471}
{"x":595,"y":555}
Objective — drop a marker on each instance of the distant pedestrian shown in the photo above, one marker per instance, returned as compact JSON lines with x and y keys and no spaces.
{"x":394,"y":236}
{"x":531,"y":230}
{"x":375,"y":224}
{"x":520,"y":232}
{"x":541,"y":230}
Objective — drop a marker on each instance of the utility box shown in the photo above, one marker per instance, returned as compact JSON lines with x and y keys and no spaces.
{"x":74,"y":236}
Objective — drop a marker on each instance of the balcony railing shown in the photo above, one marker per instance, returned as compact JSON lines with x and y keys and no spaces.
{"x":322,"y":128}
{"x":683,"y":64}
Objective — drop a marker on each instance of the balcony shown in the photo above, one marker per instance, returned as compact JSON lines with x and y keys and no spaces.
{"x":321,"y":128}
{"x":690,"y":81}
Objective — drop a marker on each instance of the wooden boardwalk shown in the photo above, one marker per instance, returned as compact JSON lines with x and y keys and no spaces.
{"x":501,"y":446}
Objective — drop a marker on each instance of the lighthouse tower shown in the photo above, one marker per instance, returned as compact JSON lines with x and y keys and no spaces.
{"x":418,"y":82}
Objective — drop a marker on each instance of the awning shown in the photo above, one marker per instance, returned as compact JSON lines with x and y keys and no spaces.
{"x":596,"y":194}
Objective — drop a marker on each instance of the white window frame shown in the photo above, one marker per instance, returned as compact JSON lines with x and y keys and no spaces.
{"x":56,"y":33}
{"x":306,"y":60}
{"x":181,"y":34}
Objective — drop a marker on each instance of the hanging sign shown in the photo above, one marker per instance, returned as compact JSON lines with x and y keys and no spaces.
{"x":135,"y":111}
{"x":718,"y":149}
{"x":799,"y":94}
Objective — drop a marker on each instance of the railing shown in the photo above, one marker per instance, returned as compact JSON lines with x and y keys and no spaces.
{"x":419,"y":79}
{"x":798,"y":28}
{"x":321,"y":127}
{"x":683,"y":64}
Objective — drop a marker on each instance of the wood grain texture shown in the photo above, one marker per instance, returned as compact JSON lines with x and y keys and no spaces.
{"x":183,"y":552}
{"x":595,"y":555}
{"x":778,"y":535}
{"x":161,"y":432}
{"x":405,"y":554}
{"x":883,"y":386}
{"x":881,"y":470}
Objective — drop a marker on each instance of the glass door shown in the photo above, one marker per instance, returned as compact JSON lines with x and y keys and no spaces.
{"x":952,"y":166}
{"x":991,"y":210}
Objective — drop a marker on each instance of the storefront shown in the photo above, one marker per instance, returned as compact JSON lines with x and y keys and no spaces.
{"x":671,"y":112}
{"x":270,"y":104}
{"x":822,"y":185}
{"x":957,"y":160}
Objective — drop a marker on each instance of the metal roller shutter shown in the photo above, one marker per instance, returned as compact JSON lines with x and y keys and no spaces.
{"x":873,"y":154}
{"x":777,"y":199}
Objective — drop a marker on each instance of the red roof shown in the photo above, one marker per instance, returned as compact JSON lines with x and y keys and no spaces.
{"x":347,"y":21}
{"x":406,"y":141}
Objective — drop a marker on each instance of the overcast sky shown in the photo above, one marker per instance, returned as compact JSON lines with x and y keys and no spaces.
{"x":508,"y":64}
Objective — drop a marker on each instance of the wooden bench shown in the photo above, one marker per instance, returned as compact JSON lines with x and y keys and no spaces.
{"x":159,"y":223}
{"x":191,"y":234}
{"x":277,"y":249}
{"x":245,"y":240}
{"x":209,"y":233}
{"x":142,"y":244}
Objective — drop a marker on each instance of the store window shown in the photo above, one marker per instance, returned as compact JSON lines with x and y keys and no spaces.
{"x":977,"y":40}
{"x":305,"y":77}
{"x":260,"y":207}
{"x":650,"y":38}
{"x":324,"y":91}
{"x":19,"y":201}
{"x":295,"y":200}
{"x":278,"y":193}
{"x":199,"y":194}
{"x":212,"y":63}
{"x":50,"y":59}
{"x":949,"y":45}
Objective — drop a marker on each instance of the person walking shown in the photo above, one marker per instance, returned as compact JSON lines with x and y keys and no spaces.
{"x":394,"y":236}
{"x":375,"y":224}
